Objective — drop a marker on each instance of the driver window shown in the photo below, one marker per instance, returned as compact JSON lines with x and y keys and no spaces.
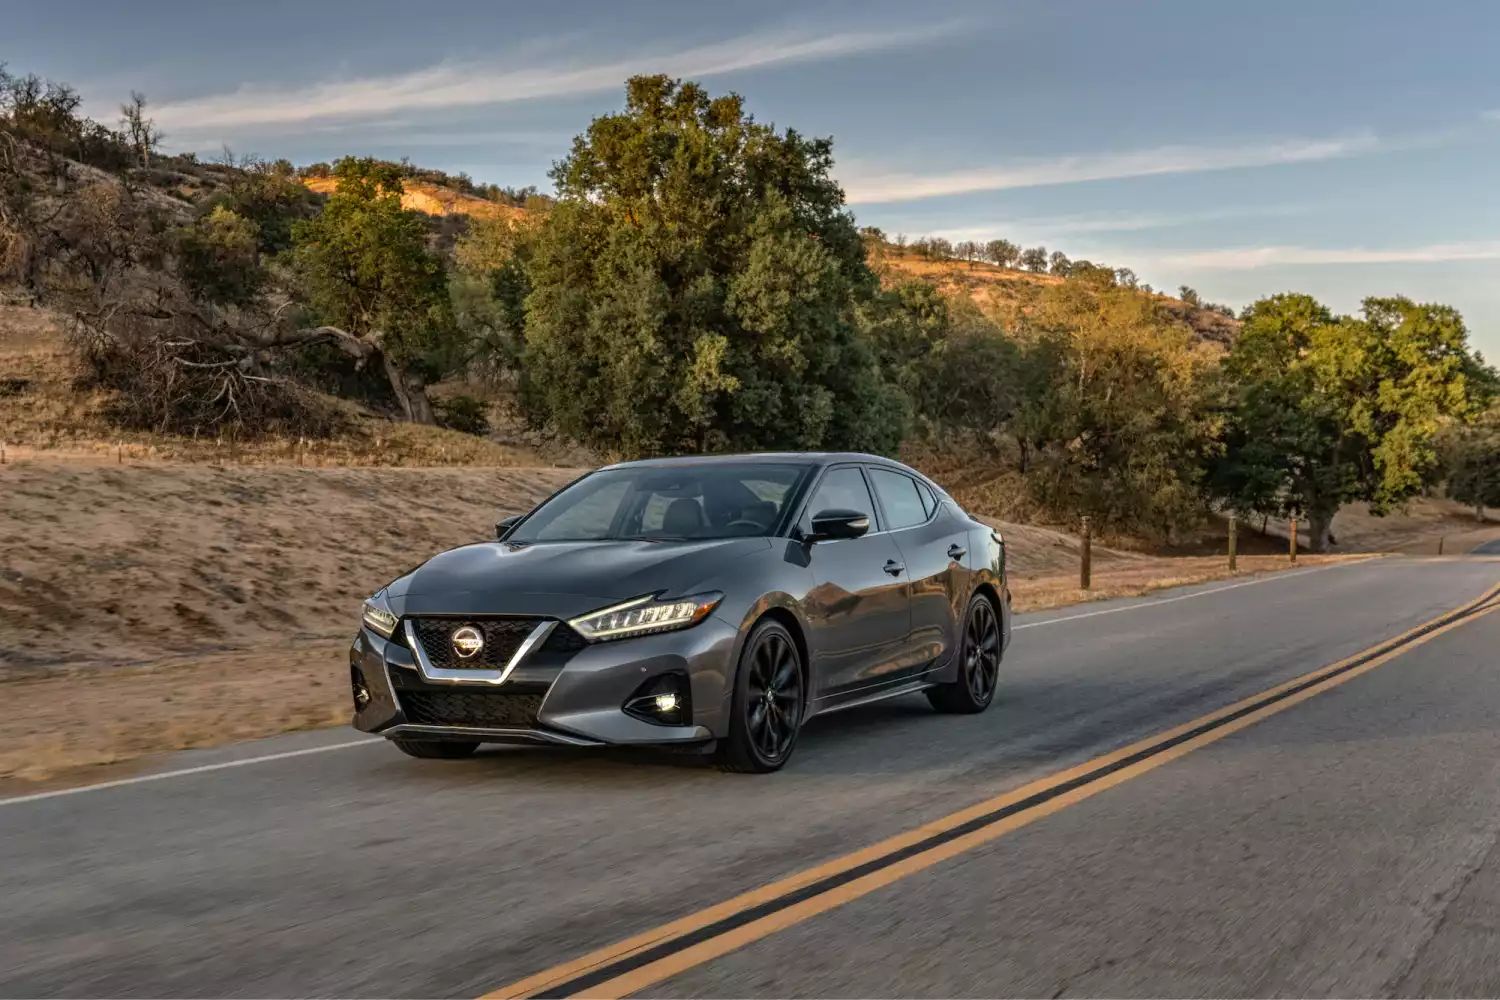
{"x":842,"y":489}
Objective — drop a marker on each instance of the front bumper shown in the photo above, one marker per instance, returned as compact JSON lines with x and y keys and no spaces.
{"x":566,"y":697}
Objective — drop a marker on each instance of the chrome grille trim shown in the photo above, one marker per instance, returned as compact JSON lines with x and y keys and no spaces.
{"x":469,"y":676}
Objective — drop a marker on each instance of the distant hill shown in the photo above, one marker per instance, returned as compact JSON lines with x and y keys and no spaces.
{"x":433,"y":199}
{"x":1005,"y":292}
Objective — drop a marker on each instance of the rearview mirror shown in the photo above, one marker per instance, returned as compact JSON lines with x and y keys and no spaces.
{"x":502,"y":528}
{"x":835,"y":523}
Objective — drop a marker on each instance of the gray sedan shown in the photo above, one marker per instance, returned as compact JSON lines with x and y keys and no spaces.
{"x":708,"y":604}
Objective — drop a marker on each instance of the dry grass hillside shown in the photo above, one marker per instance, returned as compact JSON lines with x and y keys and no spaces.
{"x":105,"y":565}
{"x":433,"y":199}
{"x":1006,"y":293}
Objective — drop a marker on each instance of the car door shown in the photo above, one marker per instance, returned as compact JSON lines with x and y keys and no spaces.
{"x":857,"y":609}
{"x":934,"y":547}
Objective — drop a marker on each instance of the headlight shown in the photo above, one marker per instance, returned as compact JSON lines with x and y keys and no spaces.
{"x":378,"y":618}
{"x":644,"y":615}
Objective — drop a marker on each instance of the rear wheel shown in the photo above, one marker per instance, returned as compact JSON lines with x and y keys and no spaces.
{"x":766,"y":714}
{"x":978,"y":663}
{"x":437,"y":749}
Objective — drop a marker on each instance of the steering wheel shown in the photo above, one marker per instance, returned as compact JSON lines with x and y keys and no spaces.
{"x":745,"y":522}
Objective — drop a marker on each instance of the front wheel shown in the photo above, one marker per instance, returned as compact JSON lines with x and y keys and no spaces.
{"x":767,"y":707}
{"x":437,"y":749}
{"x":978,"y":663}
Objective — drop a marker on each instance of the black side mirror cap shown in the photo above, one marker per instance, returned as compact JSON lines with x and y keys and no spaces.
{"x":836,"y":523}
{"x":502,"y":528}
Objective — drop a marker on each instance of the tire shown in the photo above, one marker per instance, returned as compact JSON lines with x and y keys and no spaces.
{"x":437,"y":749}
{"x":978,"y":663}
{"x":769,"y":700}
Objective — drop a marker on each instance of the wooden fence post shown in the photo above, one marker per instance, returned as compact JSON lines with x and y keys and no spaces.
{"x":1233,"y":533}
{"x":1293,"y":542}
{"x":1086,"y":558}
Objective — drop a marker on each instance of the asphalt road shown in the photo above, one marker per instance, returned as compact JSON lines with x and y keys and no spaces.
{"x":1343,"y":846}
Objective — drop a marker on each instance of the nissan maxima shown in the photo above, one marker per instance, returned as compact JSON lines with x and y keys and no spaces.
{"x":709,"y":604}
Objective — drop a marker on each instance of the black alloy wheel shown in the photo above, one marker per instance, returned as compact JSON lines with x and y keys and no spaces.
{"x":768,"y":703}
{"x":978,"y":663}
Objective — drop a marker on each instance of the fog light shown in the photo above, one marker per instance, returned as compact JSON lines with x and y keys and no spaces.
{"x":361,"y":689}
{"x":664,"y":700}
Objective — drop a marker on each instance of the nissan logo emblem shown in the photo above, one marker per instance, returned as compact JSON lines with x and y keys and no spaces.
{"x":467,"y":641}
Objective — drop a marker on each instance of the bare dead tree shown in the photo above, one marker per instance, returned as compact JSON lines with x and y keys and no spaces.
{"x":141,"y":131}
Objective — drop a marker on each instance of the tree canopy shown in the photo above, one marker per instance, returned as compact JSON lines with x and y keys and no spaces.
{"x":1331,"y":409}
{"x":366,"y":270}
{"x":699,"y":286}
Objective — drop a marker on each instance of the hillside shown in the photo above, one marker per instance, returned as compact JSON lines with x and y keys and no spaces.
{"x":42,"y":411}
{"x":432,"y":199}
{"x":1006,"y":292}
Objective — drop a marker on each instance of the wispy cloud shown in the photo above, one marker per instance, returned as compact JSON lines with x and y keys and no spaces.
{"x":872,"y":188}
{"x":453,"y":85}
{"x":1251,"y":258}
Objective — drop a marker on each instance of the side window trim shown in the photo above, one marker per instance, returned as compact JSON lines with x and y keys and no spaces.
{"x":812,"y":492}
{"x":879,"y":503}
{"x":929,"y":502}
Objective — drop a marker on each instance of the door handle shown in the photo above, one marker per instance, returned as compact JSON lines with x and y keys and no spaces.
{"x":956,"y":552}
{"x":894,"y":568}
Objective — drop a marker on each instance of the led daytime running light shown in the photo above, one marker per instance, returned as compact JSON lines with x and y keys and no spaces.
{"x":643,"y":616}
{"x":379,"y":619}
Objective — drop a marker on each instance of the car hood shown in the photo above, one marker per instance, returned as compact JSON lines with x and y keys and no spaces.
{"x":559,"y":579}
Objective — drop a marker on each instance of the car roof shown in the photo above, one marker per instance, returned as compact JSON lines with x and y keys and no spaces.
{"x":817,"y":458}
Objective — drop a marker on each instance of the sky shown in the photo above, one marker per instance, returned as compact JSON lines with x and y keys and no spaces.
{"x":1344,"y":148}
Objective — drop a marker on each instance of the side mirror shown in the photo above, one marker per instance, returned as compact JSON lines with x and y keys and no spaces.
{"x":502,"y":528}
{"x":835,"y":523}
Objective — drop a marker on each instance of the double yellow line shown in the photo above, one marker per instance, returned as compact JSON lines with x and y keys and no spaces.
{"x":646,"y":959}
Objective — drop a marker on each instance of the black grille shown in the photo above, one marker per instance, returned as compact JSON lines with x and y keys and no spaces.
{"x":502,"y":637}
{"x":481,"y":709}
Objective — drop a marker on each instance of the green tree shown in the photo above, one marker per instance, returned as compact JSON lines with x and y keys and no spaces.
{"x":1473,"y":463}
{"x":698,"y":286}
{"x":1034,"y":259}
{"x":273,"y":201}
{"x":219,"y":258}
{"x":1123,"y":427}
{"x":490,"y":289}
{"x":1327,"y":410}
{"x":370,"y":277}
{"x":1002,"y":252}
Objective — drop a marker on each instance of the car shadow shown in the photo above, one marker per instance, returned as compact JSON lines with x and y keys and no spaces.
{"x":833,"y":743}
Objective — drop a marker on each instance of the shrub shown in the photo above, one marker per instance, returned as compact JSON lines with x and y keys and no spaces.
{"x":462,"y":413}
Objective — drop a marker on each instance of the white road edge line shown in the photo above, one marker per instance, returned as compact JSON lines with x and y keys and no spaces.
{"x":183,"y":772}
{"x":1283,"y":575}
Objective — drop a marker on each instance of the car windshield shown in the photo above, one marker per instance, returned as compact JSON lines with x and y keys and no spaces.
{"x":667,"y":503}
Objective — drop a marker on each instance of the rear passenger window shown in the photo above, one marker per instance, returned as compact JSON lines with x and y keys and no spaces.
{"x":928,"y":501}
{"x":899,"y":499}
